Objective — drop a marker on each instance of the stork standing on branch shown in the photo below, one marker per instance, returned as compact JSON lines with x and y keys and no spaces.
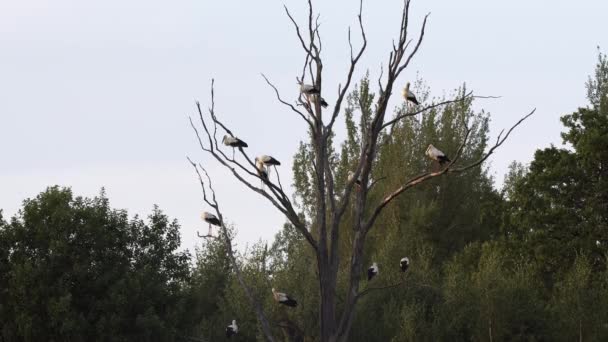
{"x":234,"y":142}
{"x":312,"y":93}
{"x":328,"y":217}
{"x":232,"y":329}
{"x":372,"y":271}
{"x":266,"y":161}
{"x":284,"y":299}
{"x":351,"y":175}
{"x":211,"y":219}
{"x":261,"y":169}
{"x":404,"y":263}
{"x":408,"y":96}
{"x":435,"y":154}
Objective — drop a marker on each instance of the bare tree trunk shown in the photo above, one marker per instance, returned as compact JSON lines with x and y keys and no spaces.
{"x":330,"y":204}
{"x":328,"y":305}
{"x":490,"y":328}
{"x":348,"y":315}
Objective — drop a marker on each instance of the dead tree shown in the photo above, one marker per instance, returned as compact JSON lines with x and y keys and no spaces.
{"x":331,"y":205}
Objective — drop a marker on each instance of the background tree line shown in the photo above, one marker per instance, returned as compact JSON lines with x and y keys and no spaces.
{"x":525,"y":262}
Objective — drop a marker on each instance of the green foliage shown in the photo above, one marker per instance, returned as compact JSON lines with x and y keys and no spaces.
{"x":560,"y":206}
{"x":78,"y":270}
{"x":527,"y":263}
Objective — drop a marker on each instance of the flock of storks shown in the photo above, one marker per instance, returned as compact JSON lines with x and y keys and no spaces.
{"x":264,"y":162}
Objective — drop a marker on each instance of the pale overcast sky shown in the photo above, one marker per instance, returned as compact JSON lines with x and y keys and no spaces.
{"x":97,"y":93}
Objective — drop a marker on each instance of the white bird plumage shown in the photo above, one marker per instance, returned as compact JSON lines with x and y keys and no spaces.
{"x":232,"y":329}
{"x":408,"y":95}
{"x":437,"y":155}
{"x":308,"y":89}
{"x":312,"y":94}
{"x":210,"y":218}
{"x":351,"y":175}
{"x":372,"y":271}
{"x":263,"y":163}
{"x":233,"y":142}
{"x":283,"y":298}
{"x":404,"y":263}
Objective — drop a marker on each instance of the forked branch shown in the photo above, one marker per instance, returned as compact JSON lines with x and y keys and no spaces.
{"x":212,"y":202}
{"x":275,"y":194}
{"x":448,"y":169}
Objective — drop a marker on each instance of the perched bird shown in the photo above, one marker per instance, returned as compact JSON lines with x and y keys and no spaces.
{"x":232,"y":329}
{"x":233,"y":142}
{"x":263,"y":163}
{"x":308,"y":89}
{"x":408,"y":95}
{"x":321,"y":100}
{"x":284,"y":299}
{"x":262,"y":172}
{"x":351,"y":175}
{"x":211,"y":219}
{"x":404,"y":263}
{"x":312,"y":93}
{"x":437,"y":155}
{"x":323,"y":103}
{"x":267,"y":160}
{"x":259,"y":166}
{"x":372,"y":271}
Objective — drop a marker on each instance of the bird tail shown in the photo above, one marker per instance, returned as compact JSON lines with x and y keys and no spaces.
{"x":291,"y":302}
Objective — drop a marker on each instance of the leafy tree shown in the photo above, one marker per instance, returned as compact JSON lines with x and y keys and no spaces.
{"x":560,"y":206}
{"x":578,"y":304}
{"x":78,"y":270}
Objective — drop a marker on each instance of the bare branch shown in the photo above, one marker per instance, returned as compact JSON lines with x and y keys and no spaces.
{"x":276,"y":91}
{"x":228,"y":243}
{"x":448,"y":169}
{"x":207,"y":236}
{"x":499,"y":142}
{"x":409,"y":58}
{"x":280,"y":200}
{"x":308,"y":50}
{"x":371,"y":289}
{"x":353,"y":64}
{"x":432,"y":106}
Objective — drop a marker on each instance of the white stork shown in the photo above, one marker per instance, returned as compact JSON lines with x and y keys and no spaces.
{"x":259,"y":166}
{"x":372,"y":271}
{"x":435,"y":154}
{"x":284,"y":299}
{"x":404,"y":263}
{"x":312,"y":93}
{"x":308,"y":89}
{"x":262,"y":171}
{"x":233,"y":142}
{"x":408,"y":95}
{"x":351,"y":175}
{"x":267,"y":161}
{"x":232,"y":329}
{"x":322,"y":101}
{"x":211,"y":219}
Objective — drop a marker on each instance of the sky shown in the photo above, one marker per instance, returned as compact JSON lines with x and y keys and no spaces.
{"x":98,"y":93}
